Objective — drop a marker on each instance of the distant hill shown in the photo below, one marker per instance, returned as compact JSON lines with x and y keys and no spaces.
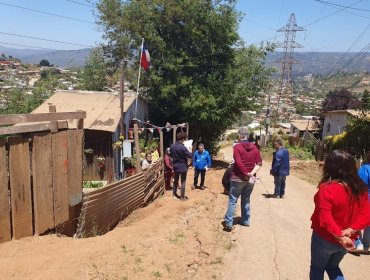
{"x":62,"y":58}
{"x":321,"y":63}
{"x":324,"y":63}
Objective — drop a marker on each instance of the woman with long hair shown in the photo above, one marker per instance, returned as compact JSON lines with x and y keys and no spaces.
{"x":341,"y":209}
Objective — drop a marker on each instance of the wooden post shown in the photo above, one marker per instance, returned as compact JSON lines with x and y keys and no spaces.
{"x":174,"y":134}
{"x":53,"y":124}
{"x":137,"y":148}
{"x":80,"y":122}
{"x":161,"y":144}
{"x":187,"y":131}
{"x":122,"y":97}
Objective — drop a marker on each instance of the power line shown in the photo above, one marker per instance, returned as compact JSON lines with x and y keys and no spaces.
{"x":82,"y":4}
{"x":337,"y":11}
{"x":27,"y":46}
{"x":347,"y":7}
{"x":42,"y":39}
{"x":46,"y":13}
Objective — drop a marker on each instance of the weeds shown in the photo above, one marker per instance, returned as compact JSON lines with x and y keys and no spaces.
{"x":178,"y":237}
{"x":229,"y":245}
{"x":124,"y":249}
{"x":157,"y":274}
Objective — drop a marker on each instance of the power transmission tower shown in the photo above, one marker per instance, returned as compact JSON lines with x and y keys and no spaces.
{"x":285,"y":90}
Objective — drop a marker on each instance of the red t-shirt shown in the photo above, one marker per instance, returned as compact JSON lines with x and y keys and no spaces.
{"x":337,"y":209}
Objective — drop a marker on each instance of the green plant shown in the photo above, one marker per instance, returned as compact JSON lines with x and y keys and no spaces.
{"x":92,"y":185}
{"x":157,"y":274}
{"x":177,"y":237}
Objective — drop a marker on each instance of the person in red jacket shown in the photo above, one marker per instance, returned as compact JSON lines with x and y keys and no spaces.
{"x":247,"y":161}
{"x":341,"y":209}
{"x":168,"y":169}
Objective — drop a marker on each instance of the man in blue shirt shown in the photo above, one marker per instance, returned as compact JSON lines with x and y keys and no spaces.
{"x":201,"y":163}
{"x":280,"y":168}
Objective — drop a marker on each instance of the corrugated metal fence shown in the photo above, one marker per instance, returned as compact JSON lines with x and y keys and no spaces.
{"x":104,"y":208}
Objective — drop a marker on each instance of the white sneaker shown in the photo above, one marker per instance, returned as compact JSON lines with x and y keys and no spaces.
{"x":359,"y":247}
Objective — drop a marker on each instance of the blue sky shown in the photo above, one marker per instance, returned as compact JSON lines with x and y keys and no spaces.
{"x":328,"y":28}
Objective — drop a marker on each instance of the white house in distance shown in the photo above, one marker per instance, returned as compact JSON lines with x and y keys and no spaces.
{"x":335,"y":121}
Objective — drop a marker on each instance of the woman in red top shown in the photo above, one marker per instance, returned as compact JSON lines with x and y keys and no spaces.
{"x":341,"y":209}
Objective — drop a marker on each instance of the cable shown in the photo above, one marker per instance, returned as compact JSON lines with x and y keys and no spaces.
{"x":47,"y":13}
{"x":337,"y":11}
{"x":347,"y":7}
{"x":82,"y":4}
{"x":42,"y":39}
{"x":27,"y":46}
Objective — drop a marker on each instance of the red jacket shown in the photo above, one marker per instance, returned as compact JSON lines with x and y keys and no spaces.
{"x":246,"y":156}
{"x":337,"y":209}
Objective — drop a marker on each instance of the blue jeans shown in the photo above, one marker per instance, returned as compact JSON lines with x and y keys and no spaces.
{"x":243,"y":189}
{"x":366,"y":238}
{"x":325,"y":256}
{"x":279,"y":182}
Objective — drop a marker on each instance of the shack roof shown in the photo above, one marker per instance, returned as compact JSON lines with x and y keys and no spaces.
{"x":102,"y":108}
{"x":302,"y":125}
{"x":350,"y":112}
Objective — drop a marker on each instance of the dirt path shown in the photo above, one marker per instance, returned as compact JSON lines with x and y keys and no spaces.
{"x":170,"y":239}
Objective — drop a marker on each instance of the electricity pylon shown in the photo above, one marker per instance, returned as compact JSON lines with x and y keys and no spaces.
{"x":285,"y":90}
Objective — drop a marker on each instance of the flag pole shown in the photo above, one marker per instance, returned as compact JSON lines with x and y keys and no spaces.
{"x":138,"y":77}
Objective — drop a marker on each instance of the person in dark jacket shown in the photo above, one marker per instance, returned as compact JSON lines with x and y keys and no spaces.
{"x":202,"y":163}
{"x":180,"y":155}
{"x":280,"y":168}
{"x":226,"y":178}
{"x":247,"y":161}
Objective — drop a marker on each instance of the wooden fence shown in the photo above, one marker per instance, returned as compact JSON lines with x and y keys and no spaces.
{"x":104,"y":208}
{"x":40,"y":180}
{"x":40,"y":175}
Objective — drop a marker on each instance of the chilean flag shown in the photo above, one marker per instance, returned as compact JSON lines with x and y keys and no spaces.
{"x":145,"y":57}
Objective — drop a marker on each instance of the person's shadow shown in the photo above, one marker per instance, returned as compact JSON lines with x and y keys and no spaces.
{"x":268,"y":195}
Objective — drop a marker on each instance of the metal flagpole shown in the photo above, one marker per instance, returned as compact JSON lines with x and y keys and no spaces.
{"x":138,"y":78}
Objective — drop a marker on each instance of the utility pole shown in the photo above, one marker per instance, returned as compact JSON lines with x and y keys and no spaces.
{"x":267,"y":120}
{"x":122,"y":96}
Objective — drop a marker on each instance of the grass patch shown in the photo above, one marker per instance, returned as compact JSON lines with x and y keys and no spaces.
{"x":229,"y":245}
{"x":177,"y":237}
{"x":157,"y":274}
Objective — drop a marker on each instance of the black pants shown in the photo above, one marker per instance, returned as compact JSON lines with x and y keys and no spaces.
{"x":202,"y":177}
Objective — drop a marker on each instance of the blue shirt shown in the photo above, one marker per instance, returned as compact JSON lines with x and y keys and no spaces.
{"x":280,"y":163}
{"x":364,"y":173}
{"x":201,"y":160}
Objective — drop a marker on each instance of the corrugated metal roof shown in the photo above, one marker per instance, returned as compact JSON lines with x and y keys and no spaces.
{"x":102,"y":108}
{"x":349,"y":111}
{"x":304,"y":124}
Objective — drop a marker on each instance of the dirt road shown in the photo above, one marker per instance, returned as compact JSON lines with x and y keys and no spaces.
{"x":170,"y":239}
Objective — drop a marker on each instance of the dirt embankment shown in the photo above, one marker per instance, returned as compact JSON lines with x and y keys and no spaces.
{"x":169,"y":239}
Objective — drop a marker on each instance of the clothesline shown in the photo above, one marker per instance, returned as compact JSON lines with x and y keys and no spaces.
{"x":168,"y":126}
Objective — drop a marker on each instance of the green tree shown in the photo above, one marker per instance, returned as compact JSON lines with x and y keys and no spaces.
{"x":341,"y":99}
{"x":14,"y":102}
{"x":44,"y":62}
{"x":42,"y":90}
{"x":358,"y":131}
{"x":365,"y":100}
{"x":200,"y":73}
{"x":93,"y":76}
